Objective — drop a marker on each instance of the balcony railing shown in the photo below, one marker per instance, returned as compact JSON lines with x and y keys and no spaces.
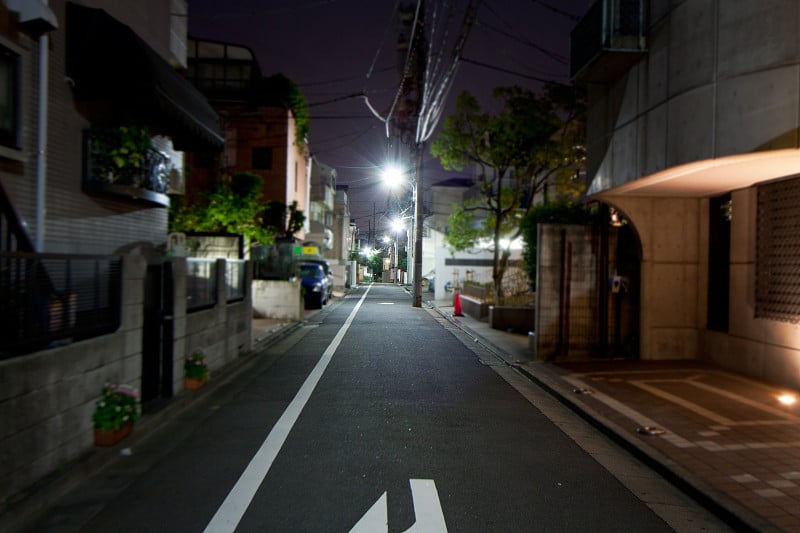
{"x":112,"y":167}
{"x":47,"y":299}
{"x":607,"y":40}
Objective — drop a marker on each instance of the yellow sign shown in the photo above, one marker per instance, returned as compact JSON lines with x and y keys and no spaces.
{"x":306,"y":250}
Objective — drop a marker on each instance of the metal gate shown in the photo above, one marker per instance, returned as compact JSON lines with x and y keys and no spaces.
{"x":158,"y":336}
{"x":587,"y":292}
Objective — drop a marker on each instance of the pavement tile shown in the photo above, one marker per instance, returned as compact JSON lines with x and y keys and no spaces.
{"x":727,"y":433}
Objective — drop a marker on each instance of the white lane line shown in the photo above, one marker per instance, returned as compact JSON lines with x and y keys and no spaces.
{"x":232,"y":510}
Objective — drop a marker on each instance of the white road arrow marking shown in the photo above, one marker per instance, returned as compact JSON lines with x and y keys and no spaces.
{"x":376,"y":520}
{"x":427,"y":510}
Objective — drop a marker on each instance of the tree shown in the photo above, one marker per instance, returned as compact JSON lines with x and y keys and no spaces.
{"x":235,"y":206}
{"x":560,"y":211}
{"x":531,"y":143}
{"x":284,"y":221}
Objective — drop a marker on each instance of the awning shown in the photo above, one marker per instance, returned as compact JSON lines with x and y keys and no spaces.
{"x":710,"y":177}
{"x":122,"y":81}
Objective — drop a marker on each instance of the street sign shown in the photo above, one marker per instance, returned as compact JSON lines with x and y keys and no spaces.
{"x":305,"y":250}
{"x":427,"y":510}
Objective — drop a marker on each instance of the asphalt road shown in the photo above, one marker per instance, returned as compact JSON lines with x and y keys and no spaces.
{"x":373,"y":413}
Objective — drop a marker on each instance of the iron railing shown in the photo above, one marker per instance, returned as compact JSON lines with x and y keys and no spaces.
{"x":104,"y":171}
{"x":609,"y":26}
{"x":201,"y":284}
{"x":13,"y":237}
{"x":48,"y":299}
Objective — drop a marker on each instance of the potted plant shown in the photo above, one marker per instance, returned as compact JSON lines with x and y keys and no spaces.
{"x":114,"y":414}
{"x":195,"y":371}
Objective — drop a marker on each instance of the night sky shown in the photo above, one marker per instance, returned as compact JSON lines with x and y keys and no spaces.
{"x":336,"y":48}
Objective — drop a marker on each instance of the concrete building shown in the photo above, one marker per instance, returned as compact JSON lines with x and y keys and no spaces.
{"x":261,"y":131}
{"x":693,"y":137}
{"x":83,"y":306}
{"x":344,"y":240}
{"x":321,"y":207}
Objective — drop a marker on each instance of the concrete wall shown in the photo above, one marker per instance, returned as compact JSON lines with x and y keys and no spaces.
{"x":674,"y":240}
{"x":47,"y":398}
{"x":277,"y":299}
{"x":222,"y":333}
{"x":766,"y":349}
{"x":721,"y":77}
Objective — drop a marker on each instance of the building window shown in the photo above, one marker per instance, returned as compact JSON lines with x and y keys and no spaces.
{"x":262,"y":158}
{"x":204,"y":160}
{"x":9,"y":98}
{"x":778,"y":251}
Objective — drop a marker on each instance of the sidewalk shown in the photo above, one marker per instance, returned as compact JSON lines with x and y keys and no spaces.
{"x":723,"y":438}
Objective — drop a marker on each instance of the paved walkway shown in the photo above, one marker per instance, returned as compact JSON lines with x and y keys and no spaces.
{"x":724,"y":438}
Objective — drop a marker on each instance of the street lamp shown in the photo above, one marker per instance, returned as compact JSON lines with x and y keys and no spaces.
{"x":393,"y":175}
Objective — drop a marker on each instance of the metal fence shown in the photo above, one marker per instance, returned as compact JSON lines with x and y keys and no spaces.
{"x":47,"y":299}
{"x":201,"y":284}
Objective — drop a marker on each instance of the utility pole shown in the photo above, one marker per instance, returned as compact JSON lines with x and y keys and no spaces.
{"x":409,"y":106}
{"x":420,"y":149}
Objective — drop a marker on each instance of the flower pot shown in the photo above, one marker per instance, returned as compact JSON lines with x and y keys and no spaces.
{"x":109,"y":437}
{"x":193,"y":383}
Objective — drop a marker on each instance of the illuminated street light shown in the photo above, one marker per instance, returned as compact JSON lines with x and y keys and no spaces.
{"x":393,"y":175}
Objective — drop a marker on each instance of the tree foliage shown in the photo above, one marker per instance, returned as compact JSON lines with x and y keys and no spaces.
{"x":281,"y":91}
{"x":532,"y":145}
{"x":559,"y":211}
{"x":235,"y":206}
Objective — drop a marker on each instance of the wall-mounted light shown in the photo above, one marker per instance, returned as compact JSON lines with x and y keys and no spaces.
{"x":787,"y":399}
{"x":616,"y":221}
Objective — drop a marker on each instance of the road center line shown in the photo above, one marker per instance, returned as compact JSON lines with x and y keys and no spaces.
{"x":230,"y":513}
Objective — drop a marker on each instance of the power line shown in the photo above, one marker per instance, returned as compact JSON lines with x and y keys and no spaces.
{"x":523,"y":40}
{"x":508,"y":71}
{"x":552,"y":55}
{"x":557,"y":10}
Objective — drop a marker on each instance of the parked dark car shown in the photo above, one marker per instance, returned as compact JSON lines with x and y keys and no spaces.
{"x":316,"y":285}
{"x":325,"y":268}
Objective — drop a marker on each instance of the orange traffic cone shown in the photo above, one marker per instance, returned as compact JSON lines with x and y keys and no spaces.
{"x":457,"y":305}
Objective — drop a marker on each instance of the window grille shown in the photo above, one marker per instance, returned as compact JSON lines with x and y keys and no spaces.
{"x":778,"y":251}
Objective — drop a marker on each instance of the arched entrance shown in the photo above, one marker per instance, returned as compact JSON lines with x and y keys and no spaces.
{"x":619,"y":299}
